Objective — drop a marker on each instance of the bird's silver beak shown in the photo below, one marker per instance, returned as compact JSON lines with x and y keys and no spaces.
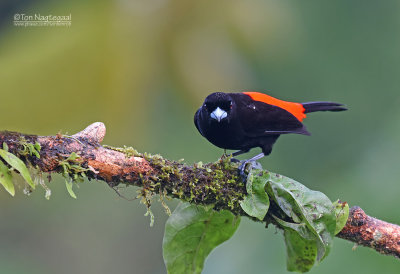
{"x":218,"y":114}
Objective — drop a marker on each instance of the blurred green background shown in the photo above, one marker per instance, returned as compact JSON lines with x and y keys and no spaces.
{"x":143,"y":67}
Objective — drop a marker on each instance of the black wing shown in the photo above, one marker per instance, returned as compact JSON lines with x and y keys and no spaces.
{"x":196,"y":121}
{"x":258,"y":118}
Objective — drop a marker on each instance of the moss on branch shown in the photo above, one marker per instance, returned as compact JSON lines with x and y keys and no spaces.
{"x":218,"y":184}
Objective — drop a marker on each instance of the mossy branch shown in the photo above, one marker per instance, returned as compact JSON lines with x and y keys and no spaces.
{"x":82,"y":155}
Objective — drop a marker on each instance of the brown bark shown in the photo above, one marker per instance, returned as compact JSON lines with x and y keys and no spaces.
{"x":104,"y":164}
{"x":213,"y":183}
{"x":370,"y":232}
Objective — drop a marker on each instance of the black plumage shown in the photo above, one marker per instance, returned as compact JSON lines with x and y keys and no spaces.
{"x":242,"y":121}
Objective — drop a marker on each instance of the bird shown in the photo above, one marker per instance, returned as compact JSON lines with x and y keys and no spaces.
{"x":245,"y":120}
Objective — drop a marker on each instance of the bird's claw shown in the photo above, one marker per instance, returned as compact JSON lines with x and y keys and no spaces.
{"x":234,"y":160}
{"x":243,"y":165}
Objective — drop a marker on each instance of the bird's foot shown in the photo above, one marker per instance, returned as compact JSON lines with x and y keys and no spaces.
{"x":253,"y":165}
{"x":234,"y":160}
{"x":248,"y":165}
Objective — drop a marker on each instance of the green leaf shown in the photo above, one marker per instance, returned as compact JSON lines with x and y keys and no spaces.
{"x":68,"y":185}
{"x":37,"y":146}
{"x":256,"y":203}
{"x":301,"y":253}
{"x":6,"y":179}
{"x":73,"y":157}
{"x":17,"y":164}
{"x":34,"y":149}
{"x":301,"y":246}
{"x":191,"y":233}
{"x":300,"y":228}
{"x":342,"y":214}
{"x":310,"y":208}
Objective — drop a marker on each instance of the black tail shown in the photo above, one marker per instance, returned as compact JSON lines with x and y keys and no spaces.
{"x":322,"y":106}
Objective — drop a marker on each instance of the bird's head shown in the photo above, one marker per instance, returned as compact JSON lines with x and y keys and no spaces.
{"x":218,"y":106}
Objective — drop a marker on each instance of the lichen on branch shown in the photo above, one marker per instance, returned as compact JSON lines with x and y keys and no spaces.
{"x":82,"y":155}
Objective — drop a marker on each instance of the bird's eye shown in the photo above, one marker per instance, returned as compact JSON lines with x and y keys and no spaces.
{"x":205,"y":105}
{"x":231,"y":105}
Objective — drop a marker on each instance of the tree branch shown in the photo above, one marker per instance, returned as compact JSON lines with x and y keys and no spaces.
{"x":370,"y":232}
{"x":213,"y":183}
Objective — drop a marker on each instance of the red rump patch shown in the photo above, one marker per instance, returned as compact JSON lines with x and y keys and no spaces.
{"x":296,"y":109}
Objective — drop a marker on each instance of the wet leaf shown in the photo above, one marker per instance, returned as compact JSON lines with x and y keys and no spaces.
{"x":301,"y":253}
{"x":310,"y":231}
{"x":191,"y":233}
{"x":68,"y":185}
{"x":73,"y":157}
{"x":306,"y":206}
{"x":256,"y":203}
{"x":342,"y":214}
{"x":6,"y":179}
{"x":17,"y":164}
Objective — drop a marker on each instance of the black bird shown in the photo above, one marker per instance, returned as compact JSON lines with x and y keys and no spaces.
{"x":242,"y":121}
